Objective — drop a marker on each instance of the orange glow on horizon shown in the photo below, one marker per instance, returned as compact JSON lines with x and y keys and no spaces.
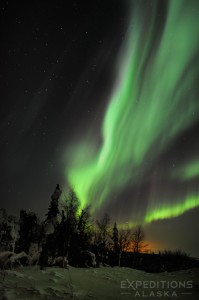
{"x":151,"y":247}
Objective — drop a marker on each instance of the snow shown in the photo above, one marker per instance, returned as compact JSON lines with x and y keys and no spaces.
{"x":90,"y":283}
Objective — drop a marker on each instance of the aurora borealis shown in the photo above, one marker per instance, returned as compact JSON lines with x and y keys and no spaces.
{"x":102,"y":96}
{"x":154,"y":100}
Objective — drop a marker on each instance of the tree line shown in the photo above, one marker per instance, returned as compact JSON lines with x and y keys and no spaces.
{"x":68,"y":232}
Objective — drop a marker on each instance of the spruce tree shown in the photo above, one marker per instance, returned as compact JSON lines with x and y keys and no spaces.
{"x":115,"y":238}
{"x":53,"y":209}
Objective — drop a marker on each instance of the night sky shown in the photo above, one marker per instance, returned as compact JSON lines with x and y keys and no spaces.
{"x":102,"y":96}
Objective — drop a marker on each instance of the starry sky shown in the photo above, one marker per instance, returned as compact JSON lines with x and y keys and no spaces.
{"x":103,"y":96}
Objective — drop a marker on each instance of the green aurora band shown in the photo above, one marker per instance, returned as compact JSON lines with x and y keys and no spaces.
{"x":152,"y":103}
{"x":168,"y":211}
{"x":188,"y":171}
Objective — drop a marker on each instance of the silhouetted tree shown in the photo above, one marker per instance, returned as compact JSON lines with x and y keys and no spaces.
{"x":103,"y":237}
{"x":103,"y":226}
{"x":125,"y":238}
{"x":5,"y":231}
{"x":84,"y":229}
{"x":14,"y":231}
{"x":138,"y":237}
{"x":69,"y":222}
{"x":29,"y":230}
{"x":115,"y":238}
{"x":138,"y":244}
{"x":51,"y":225}
{"x":53,"y":209}
{"x":115,"y":253}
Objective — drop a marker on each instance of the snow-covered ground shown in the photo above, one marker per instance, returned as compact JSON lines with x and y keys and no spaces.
{"x":97,"y":283}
